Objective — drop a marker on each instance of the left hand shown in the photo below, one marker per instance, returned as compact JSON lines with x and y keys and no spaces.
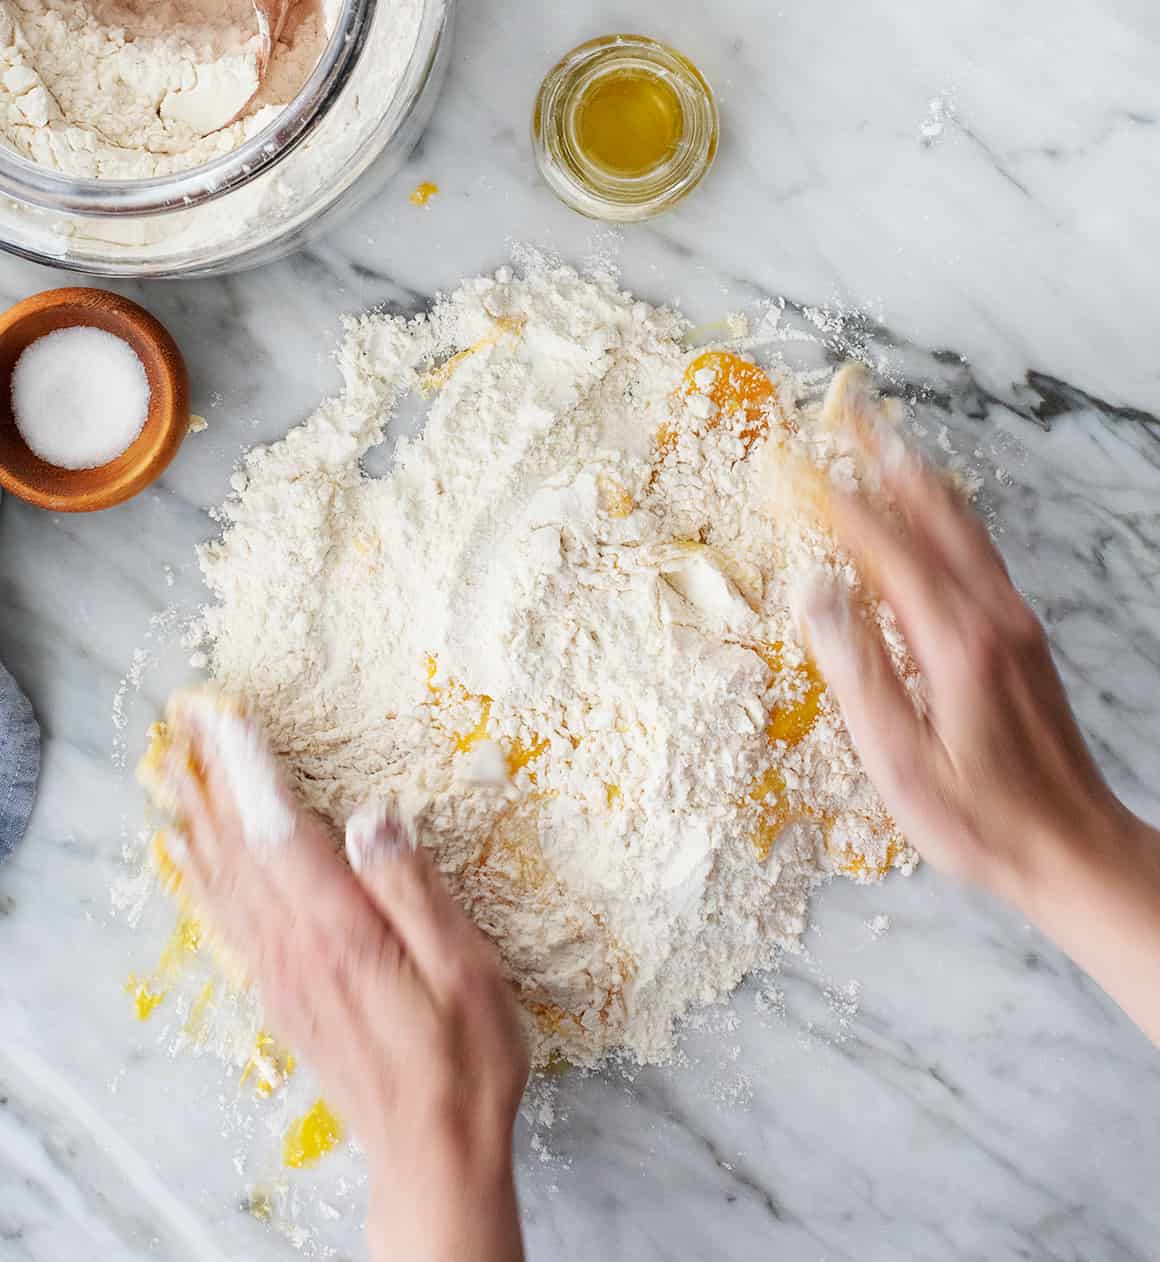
{"x":397,"y":1001}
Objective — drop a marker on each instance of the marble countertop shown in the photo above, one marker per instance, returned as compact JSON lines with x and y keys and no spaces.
{"x":966,"y":193}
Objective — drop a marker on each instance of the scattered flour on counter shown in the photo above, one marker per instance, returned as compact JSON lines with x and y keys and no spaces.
{"x":939,"y":112}
{"x":163,"y":627}
{"x":769,"y":1000}
{"x":556,"y":638}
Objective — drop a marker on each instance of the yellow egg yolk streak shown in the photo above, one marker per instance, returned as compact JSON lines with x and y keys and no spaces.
{"x":788,"y":725}
{"x":736,"y":388}
{"x":311,"y":1137}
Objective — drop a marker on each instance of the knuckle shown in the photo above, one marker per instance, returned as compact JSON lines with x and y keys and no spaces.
{"x":1026,"y":630}
{"x":450,"y":1036}
{"x":896,"y":770}
{"x":996,"y":644}
{"x":519,"y":1065}
{"x":460,"y":978}
{"x":983,"y":648}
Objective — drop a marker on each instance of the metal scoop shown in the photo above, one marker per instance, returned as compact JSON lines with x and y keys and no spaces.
{"x":271,"y":15}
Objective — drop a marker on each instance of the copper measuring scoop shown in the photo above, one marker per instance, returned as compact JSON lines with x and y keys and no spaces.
{"x":271,"y":15}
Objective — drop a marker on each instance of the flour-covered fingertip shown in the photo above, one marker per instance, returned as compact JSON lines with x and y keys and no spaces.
{"x":238,"y":763}
{"x":376,"y":832}
{"x":819,"y":604}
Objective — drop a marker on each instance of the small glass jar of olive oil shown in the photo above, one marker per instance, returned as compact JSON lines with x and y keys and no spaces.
{"x":624,"y":127}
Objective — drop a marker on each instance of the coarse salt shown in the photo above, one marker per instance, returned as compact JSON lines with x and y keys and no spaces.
{"x":80,"y":397}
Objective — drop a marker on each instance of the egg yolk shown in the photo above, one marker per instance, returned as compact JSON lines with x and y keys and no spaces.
{"x":466,"y":741}
{"x":146,"y":1000}
{"x":148,"y":993}
{"x":612,"y":498}
{"x":790,"y":725}
{"x":436,"y":378}
{"x":269,"y":1065}
{"x":195,"y":1023}
{"x":736,"y":387}
{"x":311,"y":1137}
{"x":859,"y":866}
{"x":163,"y":863}
{"x":521,"y":755}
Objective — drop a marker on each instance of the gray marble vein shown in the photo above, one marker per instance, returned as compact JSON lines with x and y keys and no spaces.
{"x":965,"y":197}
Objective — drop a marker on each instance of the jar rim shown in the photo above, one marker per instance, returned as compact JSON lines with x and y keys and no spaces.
{"x":34,"y":185}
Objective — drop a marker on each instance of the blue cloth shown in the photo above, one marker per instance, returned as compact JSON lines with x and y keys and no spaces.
{"x":19,"y":762}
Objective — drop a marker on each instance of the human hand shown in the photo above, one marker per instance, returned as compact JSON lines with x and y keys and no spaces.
{"x":376,"y":976}
{"x":990,"y":778}
{"x":985,"y":778}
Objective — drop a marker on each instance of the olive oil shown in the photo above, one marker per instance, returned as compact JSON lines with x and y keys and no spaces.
{"x":624,"y":127}
{"x":629,"y":121}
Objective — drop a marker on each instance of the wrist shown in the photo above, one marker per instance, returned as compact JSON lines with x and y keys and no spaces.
{"x":479,"y":1161}
{"x":1094,"y":848}
{"x":1100,"y":903}
{"x":439,"y":1203}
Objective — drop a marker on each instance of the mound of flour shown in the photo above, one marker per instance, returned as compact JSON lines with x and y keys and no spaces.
{"x":557,"y":637}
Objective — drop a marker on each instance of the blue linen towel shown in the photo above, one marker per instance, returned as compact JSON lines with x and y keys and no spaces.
{"x":19,"y":762}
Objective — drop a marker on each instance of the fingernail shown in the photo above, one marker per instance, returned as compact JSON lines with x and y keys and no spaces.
{"x":893,"y":451}
{"x":177,"y":846}
{"x":821,"y":607}
{"x":375,"y":833}
{"x":172,"y":775}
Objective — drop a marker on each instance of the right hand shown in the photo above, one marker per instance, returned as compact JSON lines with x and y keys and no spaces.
{"x":986,"y":779}
{"x":991,"y":780}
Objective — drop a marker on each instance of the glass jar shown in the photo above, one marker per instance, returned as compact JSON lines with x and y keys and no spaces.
{"x":624,"y":127}
{"x":264,"y":198}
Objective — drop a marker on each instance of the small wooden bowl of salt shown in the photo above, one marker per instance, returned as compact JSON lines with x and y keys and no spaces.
{"x":94,"y":399}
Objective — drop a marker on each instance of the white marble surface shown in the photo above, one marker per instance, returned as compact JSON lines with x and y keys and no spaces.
{"x":984,"y":1099}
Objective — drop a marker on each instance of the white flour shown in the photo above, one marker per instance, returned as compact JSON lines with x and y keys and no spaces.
{"x":130,"y":89}
{"x":556,"y":639}
{"x":940,"y":112}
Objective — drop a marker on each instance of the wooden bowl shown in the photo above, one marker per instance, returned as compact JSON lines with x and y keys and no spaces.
{"x":146,"y":458}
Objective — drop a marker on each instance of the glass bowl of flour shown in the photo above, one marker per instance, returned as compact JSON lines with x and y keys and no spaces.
{"x":159,"y":137}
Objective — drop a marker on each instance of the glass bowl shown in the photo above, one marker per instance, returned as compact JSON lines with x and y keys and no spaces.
{"x":326,"y":153}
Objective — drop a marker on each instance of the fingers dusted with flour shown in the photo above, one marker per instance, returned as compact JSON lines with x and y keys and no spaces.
{"x":992,"y":761}
{"x":239,"y":767}
{"x":849,"y":650}
{"x":402,"y":883}
{"x":371,"y":973}
{"x":245,"y":830}
{"x":459,"y":966}
{"x":459,"y":1055}
{"x":994,"y":781}
{"x":903,"y":569}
